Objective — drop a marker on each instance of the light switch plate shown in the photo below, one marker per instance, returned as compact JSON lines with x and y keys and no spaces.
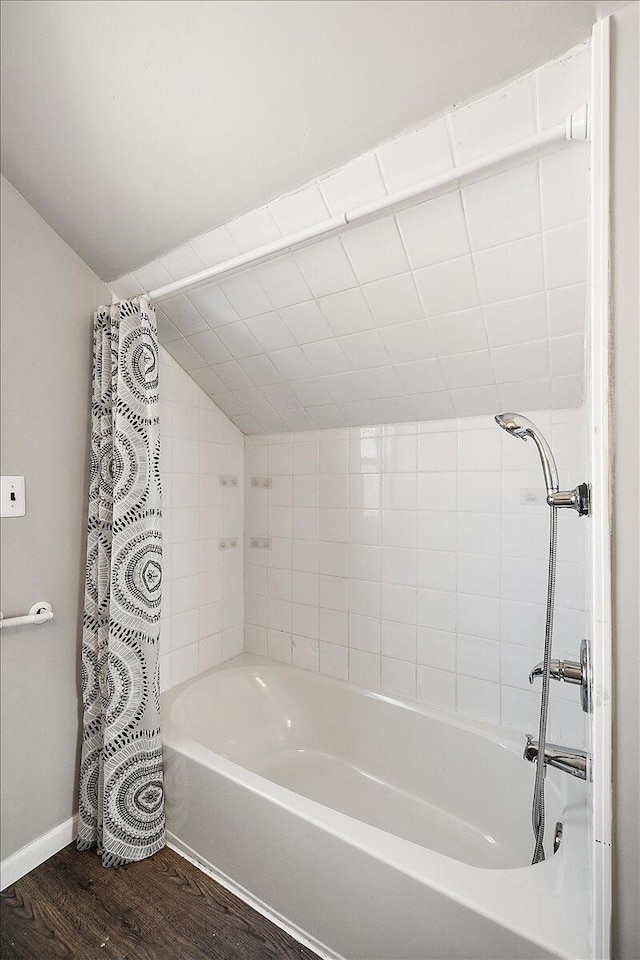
{"x":12,"y":497}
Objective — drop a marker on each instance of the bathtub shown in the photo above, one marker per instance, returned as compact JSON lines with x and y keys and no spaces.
{"x":370,"y":827}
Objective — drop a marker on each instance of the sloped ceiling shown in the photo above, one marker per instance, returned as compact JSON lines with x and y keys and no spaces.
{"x":134,"y":125}
{"x":466,"y":303}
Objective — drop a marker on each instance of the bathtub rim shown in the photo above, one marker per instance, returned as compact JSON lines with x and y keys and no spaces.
{"x":563,"y":875}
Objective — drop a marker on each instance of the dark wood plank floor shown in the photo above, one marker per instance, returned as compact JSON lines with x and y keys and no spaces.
{"x":162,"y":908}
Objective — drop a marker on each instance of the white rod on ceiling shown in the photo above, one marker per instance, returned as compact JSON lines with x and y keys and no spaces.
{"x":575,"y":128}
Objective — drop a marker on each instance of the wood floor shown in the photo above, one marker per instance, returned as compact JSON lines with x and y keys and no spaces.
{"x":159,"y":909}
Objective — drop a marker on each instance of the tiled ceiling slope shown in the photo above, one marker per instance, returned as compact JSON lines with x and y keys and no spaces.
{"x":470,"y":301}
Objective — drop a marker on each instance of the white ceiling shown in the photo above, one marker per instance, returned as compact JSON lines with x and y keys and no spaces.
{"x":134,"y":126}
{"x":468,"y":302}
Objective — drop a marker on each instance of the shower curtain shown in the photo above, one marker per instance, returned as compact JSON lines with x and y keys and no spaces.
{"x":121,"y":777}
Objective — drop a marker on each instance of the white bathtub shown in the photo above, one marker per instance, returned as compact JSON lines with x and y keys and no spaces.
{"x":369,"y":827}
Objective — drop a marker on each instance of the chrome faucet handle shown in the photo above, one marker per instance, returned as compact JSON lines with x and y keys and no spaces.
{"x":571,"y":671}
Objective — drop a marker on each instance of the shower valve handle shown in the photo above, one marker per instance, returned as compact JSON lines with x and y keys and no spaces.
{"x":571,"y":671}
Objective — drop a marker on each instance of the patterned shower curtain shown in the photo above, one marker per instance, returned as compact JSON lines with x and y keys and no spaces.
{"x":121,"y":778}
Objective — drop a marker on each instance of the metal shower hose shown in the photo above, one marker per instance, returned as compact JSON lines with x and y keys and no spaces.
{"x":537,"y":812}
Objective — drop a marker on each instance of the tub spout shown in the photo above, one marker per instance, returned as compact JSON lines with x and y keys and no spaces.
{"x":568,"y":759}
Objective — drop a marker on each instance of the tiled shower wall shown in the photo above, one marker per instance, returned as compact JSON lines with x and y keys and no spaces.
{"x":202,"y":599}
{"x":411,"y":559}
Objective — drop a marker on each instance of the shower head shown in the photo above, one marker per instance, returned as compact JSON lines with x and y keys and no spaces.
{"x":519,"y":426}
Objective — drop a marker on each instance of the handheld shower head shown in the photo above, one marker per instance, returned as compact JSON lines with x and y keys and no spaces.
{"x":519,"y":426}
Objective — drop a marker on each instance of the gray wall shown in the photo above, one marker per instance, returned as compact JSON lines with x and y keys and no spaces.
{"x":625,"y":311}
{"x":48,"y":297}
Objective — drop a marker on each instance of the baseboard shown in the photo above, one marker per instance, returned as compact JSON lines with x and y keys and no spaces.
{"x":258,"y":905}
{"x":36,"y":852}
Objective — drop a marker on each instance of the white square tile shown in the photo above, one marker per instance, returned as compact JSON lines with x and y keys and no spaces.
{"x":566,"y":255}
{"x":334,"y":456}
{"x":239,"y":340}
{"x":437,"y":451}
{"x":364,"y":562}
{"x":152,"y":275}
{"x":478,"y":698}
{"x":347,"y":311}
{"x":333,"y":559}
{"x":380,"y":382}
{"x":408,"y":341}
{"x":527,"y":394}
{"x":480,"y":449}
{"x":325,"y":267}
{"x":400,"y":454}
{"x":245,"y":294}
{"x":333,"y":592}
{"x":434,"y":231}
{"x":375,"y":250}
{"x":511,"y":270}
{"x":305,"y":653}
{"x":461,"y":332}
{"x":334,"y":660}
{"x":182,"y":262}
{"x":260,"y":370}
{"x":399,"y":566}
{"x":398,"y":603}
{"x":343,"y":387}
{"x":502,"y":118}
{"x":334,"y":627}
{"x":398,"y":678}
{"x":416,"y":156}
{"x":255,"y":639}
{"x":393,"y":300}
{"x":215,"y":247}
{"x":304,"y":619}
{"x":254,"y":229}
{"x":279,"y":645}
{"x":364,"y":597}
{"x":437,"y":569}
{"x":235,"y":378}
{"x":437,"y":687}
{"x":437,"y":491}
{"x":364,"y":633}
{"x":467,"y":370}
{"x":210,"y":347}
{"x":504,"y":207}
{"x":212,"y":305}
{"x":437,"y":609}
{"x":516,"y":321}
{"x":364,"y":350}
{"x":184,"y":663}
{"x":566,"y":308}
{"x":299,"y":210}
{"x":184,"y":315}
{"x":437,"y":530}
{"x":327,"y":357}
{"x":398,"y":640}
{"x":478,"y":616}
{"x":564,"y":184}
{"x":306,"y":322}
{"x":282,"y":281}
{"x":448,"y":287}
{"x":184,"y":353}
{"x":436,"y":648}
{"x":353,"y":185}
{"x":420,"y":376}
{"x":479,"y":492}
{"x":292,"y":364}
{"x":310,"y":393}
{"x":523,"y":361}
{"x":270,"y":331}
{"x":365,"y":526}
{"x":479,"y":574}
{"x":567,"y":355}
{"x":364,"y":669}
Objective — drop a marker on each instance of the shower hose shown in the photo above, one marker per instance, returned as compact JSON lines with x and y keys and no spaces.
{"x":537,"y":812}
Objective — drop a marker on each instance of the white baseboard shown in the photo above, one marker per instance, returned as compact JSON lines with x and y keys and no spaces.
{"x":258,"y":905}
{"x":36,"y":852}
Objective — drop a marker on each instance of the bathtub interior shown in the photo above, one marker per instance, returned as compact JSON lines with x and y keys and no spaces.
{"x":435,"y":783}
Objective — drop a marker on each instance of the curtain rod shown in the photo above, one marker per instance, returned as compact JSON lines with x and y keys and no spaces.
{"x":574,"y":128}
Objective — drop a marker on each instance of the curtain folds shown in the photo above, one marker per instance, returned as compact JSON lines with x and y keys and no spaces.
{"x":121,"y":775}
